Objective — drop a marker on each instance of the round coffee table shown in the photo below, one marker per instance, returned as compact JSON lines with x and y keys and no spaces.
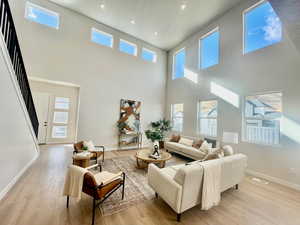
{"x":143,"y":157}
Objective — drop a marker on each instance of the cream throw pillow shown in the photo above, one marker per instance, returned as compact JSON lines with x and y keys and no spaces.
{"x":185,"y":141}
{"x":206,"y":148}
{"x":89,"y":145}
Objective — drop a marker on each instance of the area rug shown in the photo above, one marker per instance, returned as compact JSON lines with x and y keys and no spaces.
{"x":137,"y":189}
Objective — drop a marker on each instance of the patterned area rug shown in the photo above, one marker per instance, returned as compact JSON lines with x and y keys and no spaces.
{"x":137,"y":189}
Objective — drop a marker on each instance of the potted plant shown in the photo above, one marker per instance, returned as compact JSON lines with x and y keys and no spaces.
{"x":158,"y":131}
{"x":155,"y":136}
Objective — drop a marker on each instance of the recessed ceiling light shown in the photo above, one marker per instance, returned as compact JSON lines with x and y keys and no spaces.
{"x":183,"y":6}
{"x":102,"y":6}
{"x":132,"y":21}
{"x":155,"y":33}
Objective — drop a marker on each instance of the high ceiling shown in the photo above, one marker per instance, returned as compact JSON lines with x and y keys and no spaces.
{"x":162,"y":23}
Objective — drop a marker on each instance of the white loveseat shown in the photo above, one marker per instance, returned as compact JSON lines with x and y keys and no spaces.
{"x":181,"y":186}
{"x":184,"y":150}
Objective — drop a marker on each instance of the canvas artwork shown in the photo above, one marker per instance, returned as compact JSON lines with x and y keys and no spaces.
{"x":130,"y":116}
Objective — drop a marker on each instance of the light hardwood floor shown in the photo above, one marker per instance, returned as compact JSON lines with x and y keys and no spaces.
{"x":36,"y":200}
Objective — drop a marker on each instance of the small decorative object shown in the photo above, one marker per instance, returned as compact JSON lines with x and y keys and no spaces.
{"x":85,"y":148}
{"x":155,"y":154}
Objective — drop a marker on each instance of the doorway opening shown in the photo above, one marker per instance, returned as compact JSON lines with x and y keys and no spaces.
{"x":57,"y":106}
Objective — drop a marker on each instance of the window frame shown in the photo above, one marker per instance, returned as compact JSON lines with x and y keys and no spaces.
{"x":244,"y":120}
{"x":104,"y":33}
{"x":244,"y":25}
{"x":199,"y":118}
{"x":150,"y":51}
{"x":174,"y":60}
{"x":30,"y":4}
{"x":130,"y":43}
{"x":216,"y":29}
{"x":172,"y":117}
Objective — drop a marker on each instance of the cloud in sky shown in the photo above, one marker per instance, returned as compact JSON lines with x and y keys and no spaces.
{"x":273,"y":29}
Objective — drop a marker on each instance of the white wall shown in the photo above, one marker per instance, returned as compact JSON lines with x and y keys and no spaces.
{"x":275,"y":68}
{"x":105,"y":75}
{"x":18,"y":147}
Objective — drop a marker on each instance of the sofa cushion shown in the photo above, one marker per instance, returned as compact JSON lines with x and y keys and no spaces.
{"x":175,"y":138}
{"x":228,"y":150}
{"x":187,"y":150}
{"x":195,"y":153}
{"x":197,"y":143}
{"x":186,"y":141}
{"x":171,"y":171}
{"x":174,"y":145}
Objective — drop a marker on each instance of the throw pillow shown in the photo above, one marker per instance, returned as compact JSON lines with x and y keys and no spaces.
{"x":216,"y":153}
{"x":197,"y":144}
{"x":186,"y":141}
{"x":175,"y":138}
{"x":89,"y":145}
{"x":205,"y":147}
{"x":228,"y":150}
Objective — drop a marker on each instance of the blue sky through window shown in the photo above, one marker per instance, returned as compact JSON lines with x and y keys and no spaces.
{"x":128,"y":48}
{"x":42,"y":16}
{"x":262,"y":27}
{"x":209,"y":48}
{"x":148,"y":55}
{"x":179,"y":64}
{"x":102,"y":38}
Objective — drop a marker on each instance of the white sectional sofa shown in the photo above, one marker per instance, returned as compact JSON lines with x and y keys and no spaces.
{"x":181,"y":186}
{"x":184,"y":150}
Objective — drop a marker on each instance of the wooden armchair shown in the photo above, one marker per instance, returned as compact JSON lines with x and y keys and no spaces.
{"x":78,"y":147}
{"x":101,"y":192}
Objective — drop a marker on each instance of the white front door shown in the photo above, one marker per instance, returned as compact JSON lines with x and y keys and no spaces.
{"x":41,"y":101}
{"x":57,"y":112}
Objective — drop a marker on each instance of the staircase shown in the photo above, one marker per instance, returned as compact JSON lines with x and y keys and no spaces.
{"x":8,"y":31}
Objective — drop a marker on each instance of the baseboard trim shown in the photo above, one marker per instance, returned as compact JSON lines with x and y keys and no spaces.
{"x":17,"y":177}
{"x":274,"y":179}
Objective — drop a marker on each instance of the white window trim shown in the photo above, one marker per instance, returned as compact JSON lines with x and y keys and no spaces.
{"x":132,"y":44}
{"x":152,"y":52}
{"x":177,"y":117}
{"x":244,"y":28}
{"x":244,"y":119}
{"x":43,"y":9}
{"x":199,"y":118}
{"x":104,"y":33}
{"x":199,"y":46}
{"x":173,"y":67}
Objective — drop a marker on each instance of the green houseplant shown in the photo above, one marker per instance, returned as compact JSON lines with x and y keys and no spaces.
{"x":158,"y":130}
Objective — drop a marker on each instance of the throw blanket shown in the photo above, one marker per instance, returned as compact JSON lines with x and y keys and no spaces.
{"x":74,"y":181}
{"x":211,"y":193}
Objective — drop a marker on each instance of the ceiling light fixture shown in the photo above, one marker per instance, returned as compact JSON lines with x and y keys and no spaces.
{"x":183,"y":5}
{"x":132,"y":21}
{"x":102,"y":4}
{"x":155,"y":33}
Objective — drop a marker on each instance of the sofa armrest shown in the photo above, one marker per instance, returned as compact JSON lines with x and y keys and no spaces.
{"x":165,"y":186}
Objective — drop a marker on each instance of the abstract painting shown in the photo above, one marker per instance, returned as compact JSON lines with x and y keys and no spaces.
{"x":130,"y":116}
